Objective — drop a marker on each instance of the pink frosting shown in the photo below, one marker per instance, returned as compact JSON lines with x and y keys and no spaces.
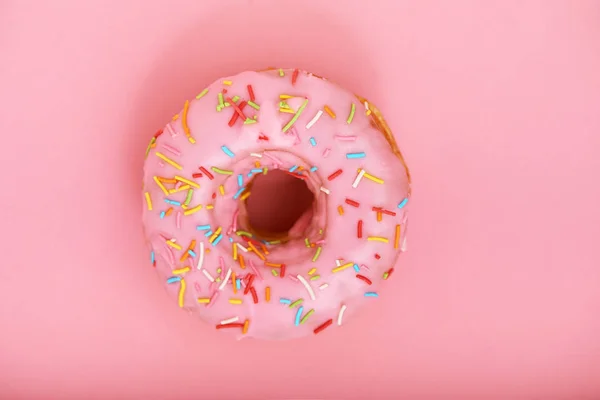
{"x":332,"y":276}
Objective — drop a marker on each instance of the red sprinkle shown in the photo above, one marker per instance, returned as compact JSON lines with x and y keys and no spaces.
{"x":359,"y":229}
{"x":352,"y":202}
{"x":390,"y":272}
{"x":249,"y":284}
{"x":377,"y":256}
{"x":263,"y":137}
{"x":295,"y":76}
{"x":282,"y":270}
{"x":364,"y":278}
{"x":384,"y":211}
{"x":334,"y":175}
{"x":323,"y":326}
{"x":251,"y":93}
{"x":234,"y":325}
{"x":238,"y":111}
{"x":197,"y":175}
{"x":210,"y":176}
{"x":158,"y":133}
{"x":254,"y":295}
{"x":214,"y":195}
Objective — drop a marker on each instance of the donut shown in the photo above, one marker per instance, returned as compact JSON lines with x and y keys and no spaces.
{"x":275,"y":204}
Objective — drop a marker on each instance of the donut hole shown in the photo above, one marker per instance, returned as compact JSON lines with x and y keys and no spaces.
{"x":279,"y":205}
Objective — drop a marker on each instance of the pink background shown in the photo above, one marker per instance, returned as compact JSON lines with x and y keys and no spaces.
{"x":496,"y":105}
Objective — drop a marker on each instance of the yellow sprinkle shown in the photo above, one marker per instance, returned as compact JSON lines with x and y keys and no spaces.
{"x":340,"y":210}
{"x":181,"y":292}
{"x":265,"y":169}
{"x":245,"y":328}
{"x":329,"y":111}
{"x":222,"y":190}
{"x":228,"y":83}
{"x":215,"y":234}
{"x":221,"y":171}
{"x":203,"y":300}
{"x":268,"y":294}
{"x":180,"y":189}
{"x":397,"y":237}
{"x":235,"y":301}
{"x":191,"y":140}
{"x":244,"y":196}
{"x":210,"y":207}
{"x":234,"y":251}
{"x":286,"y":96}
{"x":377,"y":239}
{"x":161,"y":186}
{"x":287,"y":110}
{"x":175,"y":117}
{"x":181,"y":270}
{"x":168,"y":160}
{"x":193,"y":210}
{"x":184,"y":180}
{"x":148,"y":201}
{"x":368,"y":112}
{"x":281,"y":72}
{"x":199,"y":96}
{"x":342,"y":267}
{"x":312,"y":271}
{"x":173,"y":245}
{"x":372,"y":177}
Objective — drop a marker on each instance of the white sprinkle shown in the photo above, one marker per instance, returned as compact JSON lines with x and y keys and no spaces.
{"x":345,"y":138}
{"x":208,"y":275}
{"x":201,"y":255}
{"x":258,"y":155}
{"x":315,"y":119}
{"x":224,"y":282}
{"x":307,"y":286}
{"x":171,"y":131}
{"x":367,"y":105}
{"x":230,"y":320}
{"x":338,"y":262}
{"x":171,"y":149}
{"x":326,"y":191}
{"x":323,"y":286}
{"x":358,"y":178}
{"x":326,"y":152}
{"x":341,"y":314}
{"x":403,"y":246}
{"x":242,"y":248}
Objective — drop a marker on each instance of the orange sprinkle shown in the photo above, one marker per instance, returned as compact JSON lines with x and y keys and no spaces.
{"x":340,"y":210}
{"x":264,"y":248}
{"x":245,"y":328}
{"x":329,"y":111}
{"x":241,"y":260}
{"x":397,"y":237}
{"x":186,"y":128}
{"x":268,"y":294}
{"x":274,"y":265}
{"x":169,"y":211}
{"x":233,"y":282}
{"x":258,"y":253}
{"x":379,"y":216}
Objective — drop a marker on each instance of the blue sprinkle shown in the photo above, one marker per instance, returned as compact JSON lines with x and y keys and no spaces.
{"x":207,"y":234}
{"x":230,"y":240}
{"x":237,"y":194}
{"x":313,"y":141}
{"x":298,"y":315}
{"x":256,"y":170}
{"x":355,"y":155}
{"x":313,"y":169}
{"x":371,"y":294}
{"x":403,"y":202}
{"x":295,"y":167}
{"x":152,"y":256}
{"x":240,"y":180}
{"x":191,"y":253}
{"x":218,"y":239}
{"x":203,"y":227}
{"x":285,"y":301}
{"x":174,"y":279}
{"x":249,"y":174}
{"x":175,"y":203}
{"x":162,"y":214}
{"x":356,"y":268}
{"x":227,"y":151}
{"x":238,"y":284}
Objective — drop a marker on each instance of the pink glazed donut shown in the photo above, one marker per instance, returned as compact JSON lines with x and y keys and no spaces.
{"x":275,"y":204}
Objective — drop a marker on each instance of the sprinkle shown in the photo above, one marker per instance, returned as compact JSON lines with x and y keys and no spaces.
{"x":377,"y":256}
{"x":193,"y":210}
{"x":213,"y":298}
{"x":258,"y":253}
{"x":387,"y":274}
{"x":173,"y":245}
{"x":297,"y":302}
{"x":384,"y":211}
{"x":242,"y":262}
{"x":315,"y":119}
{"x":152,"y":258}
{"x":240,"y":180}
{"x":379,"y":216}
{"x":298,"y":314}
{"x":222,"y":190}
{"x":397,"y":237}
{"x":203,"y":300}
{"x":316,"y":277}
{"x":352,"y":202}
{"x":181,"y":292}
{"x":287,"y":110}
{"x":285,"y":301}
{"x":371,"y":294}
{"x":203,"y":227}
{"x":254,"y":295}
{"x":351,"y":156}
{"x":329,"y":111}
{"x":217,"y":240}
{"x":295,"y":76}
{"x":377,"y":239}
{"x":186,"y":128}
{"x":249,"y":284}
{"x":238,"y":284}
{"x":292,"y":169}
{"x":221,"y":171}
{"x":228,"y":83}
{"x":356,"y":268}
{"x":233,"y":325}
{"x":312,"y":271}
{"x":245,"y":196}
{"x":340,"y":210}
{"x":317,"y":253}
{"x":313,"y":142}
{"x":171,"y":149}
{"x":345,"y":138}
{"x":323,"y":326}
{"x":230,"y":320}
{"x":324,"y":190}
{"x":364,"y":278}
{"x":174,"y":279}
{"x":307,"y":286}
{"x":341,"y":315}
{"x":313,"y":169}
{"x":281,"y":73}
{"x":253,"y":105}
{"x":148,"y":201}
{"x":323,"y":286}
{"x":202,"y":93}
{"x":334,"y":175}
{"x":168,"y":160}
{"x":326,"y":152}
{"x":173,"y":202}
{"x":351,"y":116}
{"x":246,"y":325}
{"x":201,"y":260}
{"x":295,"y":117}
{"x":342,"y":267}
{"x":181,"y":270}
{"x":403,"y":202}
{"x":359,"y":229}
{"x":373,"y":178}
{"x":267,"y":294}
{"x":237,"y":194}
{"x":210,"y":176}
{"x":220,"y":96}
{"x":224,"y":282}
{"x":251,"y":92}
{"x":227,"y":151}
{"x":208,"y":275}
